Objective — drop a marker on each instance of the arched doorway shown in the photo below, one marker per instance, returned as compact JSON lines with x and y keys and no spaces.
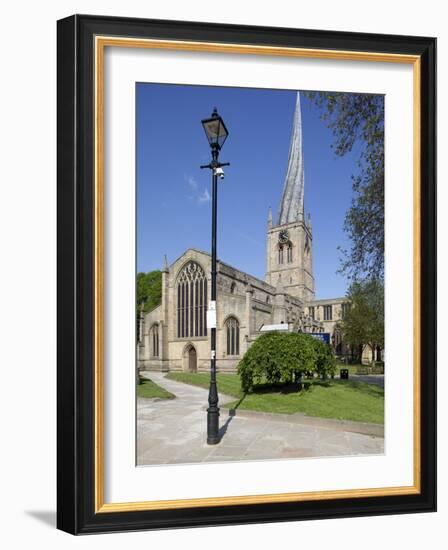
{"x":190,"y":362}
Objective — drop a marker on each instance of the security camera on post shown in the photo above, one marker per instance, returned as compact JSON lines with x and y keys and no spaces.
{"x":219,"y":172}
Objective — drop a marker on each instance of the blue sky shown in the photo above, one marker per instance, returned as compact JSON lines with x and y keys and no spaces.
{"x":173,"y":193}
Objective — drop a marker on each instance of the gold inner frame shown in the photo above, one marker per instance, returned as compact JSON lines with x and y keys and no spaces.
{"x":101,"y":42}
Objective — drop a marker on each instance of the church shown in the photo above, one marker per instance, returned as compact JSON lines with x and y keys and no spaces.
{"x":174,"y":336}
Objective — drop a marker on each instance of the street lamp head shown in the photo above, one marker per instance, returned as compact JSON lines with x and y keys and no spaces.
{"x":215,"y":130}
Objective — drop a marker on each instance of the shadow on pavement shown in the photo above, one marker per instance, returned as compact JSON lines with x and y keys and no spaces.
{"x":232,"y":413}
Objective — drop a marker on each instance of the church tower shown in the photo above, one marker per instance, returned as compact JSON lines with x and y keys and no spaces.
{"x":289,"y":242}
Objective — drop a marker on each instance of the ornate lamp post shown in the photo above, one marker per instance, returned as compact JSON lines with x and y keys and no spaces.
{"x":216,"y":133}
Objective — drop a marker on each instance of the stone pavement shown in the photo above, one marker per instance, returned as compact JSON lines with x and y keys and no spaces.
{"x":173,"y":431}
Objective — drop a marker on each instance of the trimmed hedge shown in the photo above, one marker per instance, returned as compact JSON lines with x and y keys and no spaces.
{"x":277,"y":357}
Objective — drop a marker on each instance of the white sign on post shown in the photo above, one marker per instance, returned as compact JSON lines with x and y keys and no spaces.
{"x":211,"y":315}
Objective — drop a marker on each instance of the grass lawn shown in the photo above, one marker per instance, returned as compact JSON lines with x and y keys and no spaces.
{"x":341,"y":399}
{"x":149,"y":389}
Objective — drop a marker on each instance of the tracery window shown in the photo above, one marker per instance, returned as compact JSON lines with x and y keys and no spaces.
{"x":289,"y":252}
{"x":233,"y":336}
{"x":155,"y":340}
{"x":191,"y":301}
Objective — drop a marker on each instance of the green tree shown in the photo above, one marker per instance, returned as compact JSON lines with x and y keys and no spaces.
{"x":149,"y":290}
{"x":357,"y":122}
{"x":363,"y":322}
{"x":325,"y":362}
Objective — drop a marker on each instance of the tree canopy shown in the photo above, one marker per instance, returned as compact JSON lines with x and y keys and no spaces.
{"x":149,"y":290}
{"x":359,"y":119}
{"x":363,"y":322}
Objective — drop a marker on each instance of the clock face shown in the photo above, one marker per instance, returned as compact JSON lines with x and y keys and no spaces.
{"x":283,"y":236}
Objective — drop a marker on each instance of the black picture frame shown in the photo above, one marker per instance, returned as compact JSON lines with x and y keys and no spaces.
{"x":76,"y":272}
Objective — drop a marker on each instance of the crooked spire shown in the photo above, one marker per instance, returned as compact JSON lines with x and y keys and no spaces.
{"x":292,"y":203}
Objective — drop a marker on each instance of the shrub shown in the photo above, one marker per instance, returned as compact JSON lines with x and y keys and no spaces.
{"x":279,"y":357}
{"x":325,"y":364}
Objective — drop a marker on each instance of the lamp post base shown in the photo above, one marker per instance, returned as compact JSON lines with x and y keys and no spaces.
{"x":213,"y":426}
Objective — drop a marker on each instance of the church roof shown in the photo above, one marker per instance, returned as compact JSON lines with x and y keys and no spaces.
{"x":292,"y":203}
{"x":250,"y":278}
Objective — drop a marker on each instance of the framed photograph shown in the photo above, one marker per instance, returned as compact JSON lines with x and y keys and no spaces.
{"x":246,"y":274}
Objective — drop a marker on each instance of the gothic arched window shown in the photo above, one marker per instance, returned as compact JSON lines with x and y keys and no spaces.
{"x":191,"y":301}
{"x":289,"y":253}
{"x":233,"y":336}
{"x":232,"y":288}
{"x":155,"y":340}
{"x":280,"y":254}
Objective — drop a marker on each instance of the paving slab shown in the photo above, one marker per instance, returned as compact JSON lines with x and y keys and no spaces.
{"x":173,"y":431}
